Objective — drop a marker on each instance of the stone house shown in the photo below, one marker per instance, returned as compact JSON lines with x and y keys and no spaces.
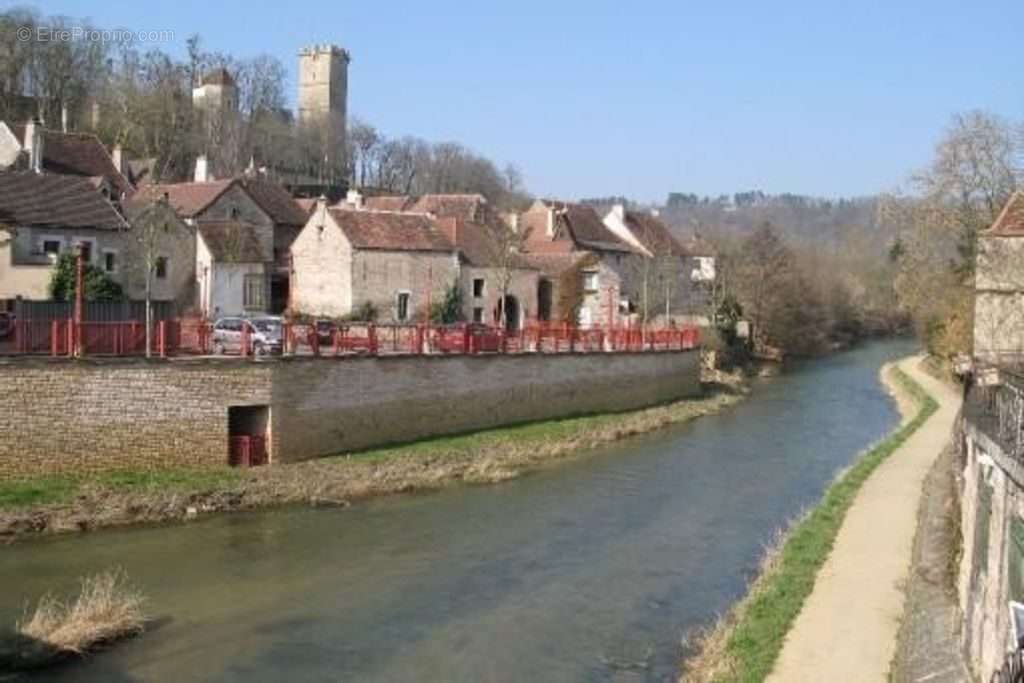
{"x":398,"y":263}
{"x":581,"y":263}
{"x":239,"y":229}
{"x":43,"y":215}
{"x":33,"y":147}
{"x":999,"y":286}
{"x":161,"y":237}
{"x":665,"y":278}
{"x":498,"y":285}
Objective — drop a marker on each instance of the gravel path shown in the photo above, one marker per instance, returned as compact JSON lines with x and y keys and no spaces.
{"x":847,"y":630}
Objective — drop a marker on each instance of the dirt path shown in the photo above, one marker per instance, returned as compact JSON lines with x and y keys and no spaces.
{"x":847,"y":629}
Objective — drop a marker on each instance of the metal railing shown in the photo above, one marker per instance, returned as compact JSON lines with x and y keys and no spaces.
{"x":997,"y":409}
{"x":194,"y":336}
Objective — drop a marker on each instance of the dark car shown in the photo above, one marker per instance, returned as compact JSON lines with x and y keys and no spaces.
{"x":325,"y":330}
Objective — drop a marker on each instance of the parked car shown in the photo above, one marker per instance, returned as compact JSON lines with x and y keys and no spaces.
{"x":264,"y":335}
{"x":6,"y":325}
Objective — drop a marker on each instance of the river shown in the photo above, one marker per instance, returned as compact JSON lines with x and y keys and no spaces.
{"x":586,"y":571}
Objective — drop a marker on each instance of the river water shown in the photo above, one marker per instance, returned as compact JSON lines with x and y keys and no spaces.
{"x":586,"y":571}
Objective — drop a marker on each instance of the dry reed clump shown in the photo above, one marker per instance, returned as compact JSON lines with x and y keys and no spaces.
{"x":107,"y":608}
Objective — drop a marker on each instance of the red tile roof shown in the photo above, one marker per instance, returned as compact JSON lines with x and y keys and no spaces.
{"x":388,"y":203}
{"x":553,"y":265}
{"x":391,"y":231}
{"x":78,"y":154}
{"x":1010,"y":222}
{"x":233,"y":242}
{"x":188,"y":199}
{"x":585,"y":227}
{"x":60,"y":201}
{"x":279,"y":204}
{"x":464,"y":206}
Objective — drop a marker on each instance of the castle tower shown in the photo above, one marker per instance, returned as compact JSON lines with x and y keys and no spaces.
{"x":217,"y":93}
{"x":323,"y":93}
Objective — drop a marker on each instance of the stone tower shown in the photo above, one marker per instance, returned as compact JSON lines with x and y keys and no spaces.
{"x":323,"y":93}
{"x":217,"y":92}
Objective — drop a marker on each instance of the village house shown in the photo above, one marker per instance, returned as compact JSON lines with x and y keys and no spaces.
{"x":393,"y":263}
{"x":498,"y":286}
{"x":580,"y":260}
{"x":999,"y":286}
{"x":31,"y":146}
{"x":234,"y":254}
{"x":666,"y":281}
{"x":43,"y":215}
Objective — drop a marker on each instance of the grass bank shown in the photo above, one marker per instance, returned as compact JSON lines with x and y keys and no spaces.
{"x":744,"y":645}
{"x":78,"y":503}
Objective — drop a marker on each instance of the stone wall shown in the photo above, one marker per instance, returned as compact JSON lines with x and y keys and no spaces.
{"x":64,"y":416}
{"x":991,"y":571}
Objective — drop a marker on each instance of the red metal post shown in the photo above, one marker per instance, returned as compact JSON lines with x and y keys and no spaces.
{"x":372,"y":331}
{"x":162,"y":338}
{"x":54,"y":338}
{"x":78,"y":300}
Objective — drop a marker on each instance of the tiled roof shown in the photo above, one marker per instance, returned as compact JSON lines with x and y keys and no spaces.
{"x":307,"y":204}
{"x":276,"y":201}
{"x":232,"y":242}
{"x":77,"y":154}
{"x":400,"y":202}
{"x":1010,"y":222}
{"x":47,"y":199}
{"x":464,"y":206}
{"x":391,"y":231}
{"x":585,"y":227}
{"x":188,"y":199}
{"x":651,"y":232}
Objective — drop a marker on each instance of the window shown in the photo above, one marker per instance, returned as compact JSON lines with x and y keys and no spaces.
{"x":478,"y":287}
{"x":160,"y":268}
{"x":51,"y":247}
{"x":478,"y":315}
{"x":252,"y":294}
{"x":110,"y":261}
{"x":402,"y":306}
{"x":235,"y":213}
{"x":590,"y":281}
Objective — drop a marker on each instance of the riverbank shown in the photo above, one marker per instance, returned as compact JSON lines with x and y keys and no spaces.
{"x":745,"y":644}
{"x":68,"y":504}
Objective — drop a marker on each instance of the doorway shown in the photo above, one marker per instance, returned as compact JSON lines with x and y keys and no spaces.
{"x":248,"y":445}
{"x":544,"y":297}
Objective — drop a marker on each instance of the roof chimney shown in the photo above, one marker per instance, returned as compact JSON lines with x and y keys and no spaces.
{"x":551,"y":222}
{"x":117,"y":156}
{"x":202,"y":172}
{"x":34,"y":145}
{"x":355,"y":198}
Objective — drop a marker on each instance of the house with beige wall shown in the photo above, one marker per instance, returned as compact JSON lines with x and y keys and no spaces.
{"x":999,"y":286}
{"x":42,"y":216}
{"x":397,"y":262}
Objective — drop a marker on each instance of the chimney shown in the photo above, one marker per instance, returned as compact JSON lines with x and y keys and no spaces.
{"x":619,"y":211}
{"x":355,"y":198}
{"x":117,"y":156}
{"x":64,"y":118}
{"x":551,"y":222}
{"x":202,"y":172}
{"x":34,"y":145}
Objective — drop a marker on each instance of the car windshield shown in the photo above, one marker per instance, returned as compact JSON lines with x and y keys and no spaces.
{"x":266,"y":325}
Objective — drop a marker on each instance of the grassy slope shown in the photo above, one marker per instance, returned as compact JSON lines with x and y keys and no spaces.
{"x":751,"y":637}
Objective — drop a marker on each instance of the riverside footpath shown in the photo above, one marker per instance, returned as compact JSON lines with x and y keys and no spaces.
{"x":847,"y":629}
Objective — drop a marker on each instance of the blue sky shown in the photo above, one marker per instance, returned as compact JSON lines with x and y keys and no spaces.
{"x":594,"y":98}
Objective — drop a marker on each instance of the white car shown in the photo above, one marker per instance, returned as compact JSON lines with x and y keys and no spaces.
{"x":264,"y":335}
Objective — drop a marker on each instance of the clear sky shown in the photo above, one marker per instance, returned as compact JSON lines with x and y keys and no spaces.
{"x":639,"y":98}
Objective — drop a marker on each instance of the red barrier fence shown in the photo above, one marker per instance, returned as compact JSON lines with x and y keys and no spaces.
{"x":194,"y":336}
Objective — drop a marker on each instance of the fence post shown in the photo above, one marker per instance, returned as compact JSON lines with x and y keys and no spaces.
{"x":70,"y":337}
{"x":373,"y":339}
{"x":161,"y":327}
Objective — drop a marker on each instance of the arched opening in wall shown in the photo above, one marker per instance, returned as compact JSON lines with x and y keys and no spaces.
{"x":248,"y":427}
{"x":544,"y":299}
{"x":511,"y":310}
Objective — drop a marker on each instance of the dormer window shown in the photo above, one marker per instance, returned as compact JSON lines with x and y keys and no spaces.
{"x":234,"y":213}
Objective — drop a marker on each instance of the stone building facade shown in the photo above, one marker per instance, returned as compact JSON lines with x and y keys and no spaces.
{"x":999,"y":286}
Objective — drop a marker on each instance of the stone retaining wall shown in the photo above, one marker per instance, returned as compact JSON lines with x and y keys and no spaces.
{"x":59,"y":416}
